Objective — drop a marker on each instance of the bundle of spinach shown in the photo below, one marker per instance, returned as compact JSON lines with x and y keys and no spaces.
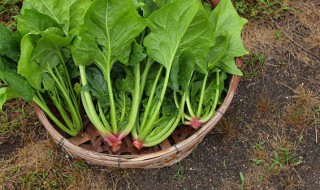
{"x":136,"y":66}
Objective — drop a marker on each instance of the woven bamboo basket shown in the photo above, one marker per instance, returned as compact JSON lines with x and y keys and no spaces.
{"x":89,"y":146}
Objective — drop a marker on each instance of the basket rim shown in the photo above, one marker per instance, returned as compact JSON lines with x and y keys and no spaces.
{"x":123,"y":161}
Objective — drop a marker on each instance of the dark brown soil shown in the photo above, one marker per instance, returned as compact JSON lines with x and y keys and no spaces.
{"x":9,"y":147}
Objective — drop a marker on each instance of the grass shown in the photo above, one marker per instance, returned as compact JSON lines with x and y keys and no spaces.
{"x":254,"y":66}
{"x":179,"y":174}
{"x":261,"y":9}
{"x":18,"y":119}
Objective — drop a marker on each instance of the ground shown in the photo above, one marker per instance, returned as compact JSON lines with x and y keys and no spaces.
{"x":269,"y":138}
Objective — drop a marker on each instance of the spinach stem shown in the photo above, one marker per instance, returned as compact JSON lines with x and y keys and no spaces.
{"x":214,"y":106}
{"x":149,"y":105}
{"x":202,"y":95}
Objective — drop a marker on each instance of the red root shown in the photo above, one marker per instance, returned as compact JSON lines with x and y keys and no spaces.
{"x":115,"y":143}
{"x":195,"y":123}
{"x":137,"y":144}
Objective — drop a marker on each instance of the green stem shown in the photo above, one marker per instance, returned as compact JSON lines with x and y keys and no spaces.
{"x":145,"y":76}
{"x":150,"y":123}
{"x":158,"y":139}
{"x":202,"y":95}
{"x":89,"y":106}
{"x":103,"y":117}
{"x":148,"y":108}
{"x":45,"y":108}
{"x":214,"y":106}
{"x":74,"y":114}
{"x":55,"y":99}
{"x":135,"y":102}
{"x":113,"y":113}
{"x":189,"y":106}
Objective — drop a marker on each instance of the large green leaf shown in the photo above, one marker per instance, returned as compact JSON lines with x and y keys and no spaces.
{"x":38,"y":15}
{"x":108,"y":31}
{"x":34,"y":22}
{"x":58,"y":10}
{"x":172,"y":31}
{"x":225,"y":19}
{"x":9,"y":46}
{"x":40,"y":55}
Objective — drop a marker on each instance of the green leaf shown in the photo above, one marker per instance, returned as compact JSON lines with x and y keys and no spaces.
{"x":218,"y":51}
{"x":149,"y":7}
{"x":137,"y":54}
{"x":40,"y":55}
{"x":34,"y":22}
{"x":98,"y":86}
{"x":18,"y":85}
{"x":108,"y":31}
{"x":39,"y":15}
{"x":58,"y":10}
{"x":162,"y":3}
{"x":172,"y":31}
{"x":77,"y":12}
{"x":224,"y":18}
{"x":9,"y":46}
{"x":228,"y":65}
{"x":181,"y":73}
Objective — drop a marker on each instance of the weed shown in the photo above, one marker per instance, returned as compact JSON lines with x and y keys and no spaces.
{"x":242,"y":179}
{"x":257,"y":161}
{"x":255,"y":64}
{"x":259,"y":146}
{"x":260,"y":9}
{"x":179,"y":175}
{"x":277,"y":34}
{"x":284,"y":157}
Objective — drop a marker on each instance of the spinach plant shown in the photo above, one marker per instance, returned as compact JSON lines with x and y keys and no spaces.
{"x":105,"y":41}
{"x":204,"y":92}
{"x":175,"y":37}
{"x":48,"y":28}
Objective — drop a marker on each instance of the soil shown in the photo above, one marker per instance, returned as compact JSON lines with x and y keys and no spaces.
{"x":260,"y":112}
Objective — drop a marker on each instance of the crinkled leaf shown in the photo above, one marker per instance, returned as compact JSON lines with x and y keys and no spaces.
{"x":9,"y":46}
{"x":108,"y":31}
{"x":127,"y":84}
{"x":149,"y":7}
{"x":58,"y":10}
{"x":137,"y":55}
{"x":34,"y":22}
{"x":39,"y":15}
{"x":98,"y":86}
{"x":181,"y":73}
{"x":172,"y":31}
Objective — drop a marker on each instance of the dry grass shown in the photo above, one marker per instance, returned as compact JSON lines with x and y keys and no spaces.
{"x":18,"y":119}
{"x":41,"y":166}
{"x":302,"y":113}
